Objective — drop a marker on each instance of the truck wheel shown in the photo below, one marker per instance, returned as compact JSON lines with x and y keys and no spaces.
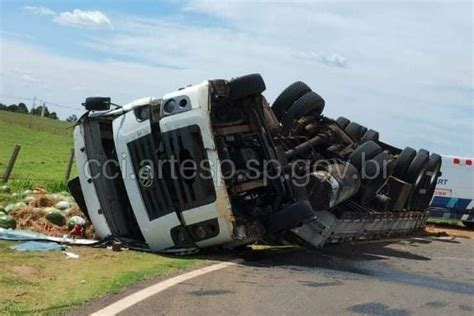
{"x":342,"y":122}
{"x":292,"y":93}
{"x":421,"y":198}
{"x":434,"y":168}
{"x":403,"y":162}
{"x":417,"y":167}
{"x":310,"y":103}
{"x":245,"y":86}
{"x":355,"y":130}
{"x":376,"y":172}
{"x":364,"y":152}
{"x":289,"y":217}
{"x":370,"y":135}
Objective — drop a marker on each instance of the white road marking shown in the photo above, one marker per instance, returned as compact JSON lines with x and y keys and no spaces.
{"x":141,"y":295}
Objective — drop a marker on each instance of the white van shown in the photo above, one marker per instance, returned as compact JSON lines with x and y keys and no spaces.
{"x":454,"y":194}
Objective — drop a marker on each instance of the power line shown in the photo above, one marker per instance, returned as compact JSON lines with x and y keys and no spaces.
{"x":15,"y":97}
{"x":39,"y":99}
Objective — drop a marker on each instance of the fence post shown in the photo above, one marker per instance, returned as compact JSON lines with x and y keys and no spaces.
{"x":70,"y":160}
{"x":11,"y":163}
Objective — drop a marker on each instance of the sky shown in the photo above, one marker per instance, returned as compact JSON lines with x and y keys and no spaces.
{"x":402,"y":68}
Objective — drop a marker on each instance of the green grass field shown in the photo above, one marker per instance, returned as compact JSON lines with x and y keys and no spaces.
{"x":45,"y":145}
{"x":49,"y":283}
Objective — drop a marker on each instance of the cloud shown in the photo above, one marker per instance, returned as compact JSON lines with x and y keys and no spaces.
{"x":392,"y":68}
{"x":79,"y":18}
{"x":331,"y":60}
{"x":38,"y":10}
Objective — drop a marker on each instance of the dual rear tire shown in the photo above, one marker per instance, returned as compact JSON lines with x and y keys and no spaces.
{"x":295,"y":102}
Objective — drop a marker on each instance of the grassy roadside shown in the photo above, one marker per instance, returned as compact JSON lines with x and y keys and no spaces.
{"x":445,"y":221}
{"x":45,"y":145}
{"x":43,"y":156}
{"x":49,"y":283}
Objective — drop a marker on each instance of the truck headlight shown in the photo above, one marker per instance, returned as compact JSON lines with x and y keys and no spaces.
{"x":175,"y":105}
{"x":169,"y":106}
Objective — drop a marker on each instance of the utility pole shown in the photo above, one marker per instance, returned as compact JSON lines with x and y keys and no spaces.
{"x":42,"y":109}
{"x":32,"y":111}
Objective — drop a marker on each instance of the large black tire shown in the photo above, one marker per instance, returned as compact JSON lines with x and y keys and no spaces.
{"x":310,"y":103}
{"x":403,"y":162}
{"x":364,"y":152}
{"x":355,"y":130}
{"x":421,"y":198}
{"x":288,"y":96}
{"x":417,"y":167}
{"x":375,"y":173}
{"x":289,"y":217}
{"x":370,"y":135}
{"x":342,"y":122}
{"x":434,"y":168}
{"x":246,"y":86}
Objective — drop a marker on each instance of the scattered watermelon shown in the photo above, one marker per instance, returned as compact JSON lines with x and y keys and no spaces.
{"x":28,"y":199}
{"x":3,"y":211}
{"x":9,"y":208}
{"x":62,"y":205}
{"x":20,"y":205}
{"x":75,"y":220}
{"x":5,"y":189}
{"x":56,"y":217}
{"x":7,"y":222}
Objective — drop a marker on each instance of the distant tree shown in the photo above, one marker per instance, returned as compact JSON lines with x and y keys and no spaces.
{"x":37,"y":111}
{"x":53,"y":116}
{"x":22,"y":108}
{"x":12,"y":108}
{"x":3,"y":107}
{"x":72,"y":118}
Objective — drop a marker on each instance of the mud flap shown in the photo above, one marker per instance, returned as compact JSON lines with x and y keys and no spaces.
{"x":317,"y":231}
{"x":289,"y":217}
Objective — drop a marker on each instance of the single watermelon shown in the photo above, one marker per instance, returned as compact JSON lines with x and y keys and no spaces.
{"x":9,"y":208}
{"x":5,"y":189}
{"x":27,"y":200}
{"x":7,"y":222}
{"x":56,"y":217}
{"x":62,"y":205}
{"x":75,"y":220}
{"x":19,"y":205}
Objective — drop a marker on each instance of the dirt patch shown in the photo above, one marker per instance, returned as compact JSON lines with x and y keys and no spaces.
{"x":23,"y":270}
{"x":440,"y":230}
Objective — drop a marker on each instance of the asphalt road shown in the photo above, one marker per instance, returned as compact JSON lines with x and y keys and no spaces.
{"x":420,"y":276}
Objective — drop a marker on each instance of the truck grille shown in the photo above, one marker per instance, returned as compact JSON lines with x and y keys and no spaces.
{"x":173,"y":190}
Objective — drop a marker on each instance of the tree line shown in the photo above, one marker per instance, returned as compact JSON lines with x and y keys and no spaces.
{"x":22,"y":108}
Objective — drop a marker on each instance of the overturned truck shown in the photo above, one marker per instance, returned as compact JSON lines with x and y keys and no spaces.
{"x":214,"y":164}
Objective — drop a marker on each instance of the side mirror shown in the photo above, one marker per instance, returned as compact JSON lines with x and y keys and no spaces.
{"x":97,"y":104}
